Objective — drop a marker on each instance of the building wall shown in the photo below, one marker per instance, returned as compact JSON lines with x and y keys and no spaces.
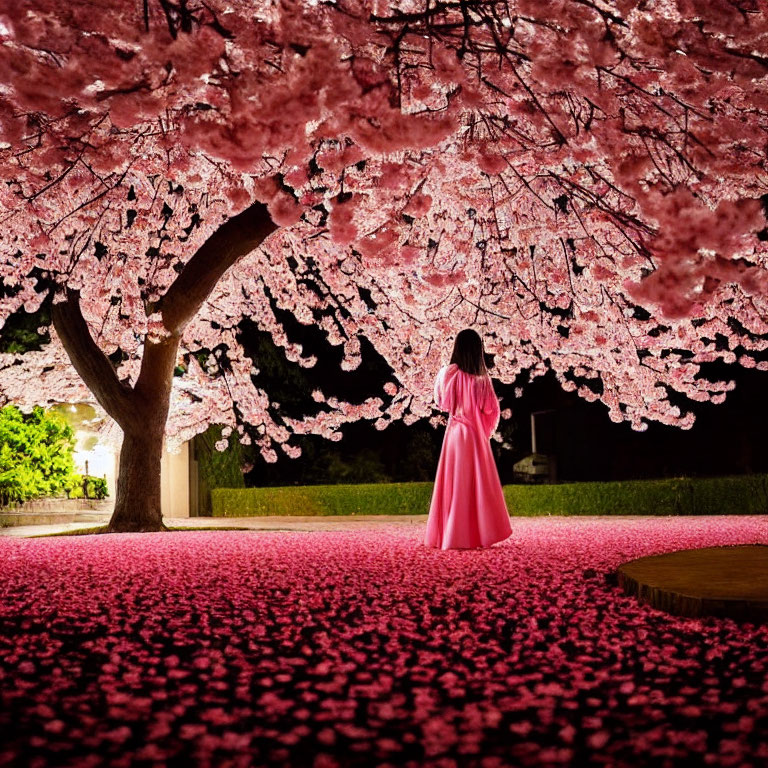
{"x":174,"y":480}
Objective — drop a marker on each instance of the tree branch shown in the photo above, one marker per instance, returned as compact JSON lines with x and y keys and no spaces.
{"x":92,"y":365}
{"x":230,"y":242}
{"x":153,"y":387}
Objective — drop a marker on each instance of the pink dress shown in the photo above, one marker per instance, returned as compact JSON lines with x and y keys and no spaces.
{"x":468,"y":508}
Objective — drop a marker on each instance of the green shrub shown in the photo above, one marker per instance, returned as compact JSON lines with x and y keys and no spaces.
{"x":35,"y":454}
{"x":97,"y":488}
{"x":680,"y":496}
{"x":368,"y":499}
{"x":87,"y":487}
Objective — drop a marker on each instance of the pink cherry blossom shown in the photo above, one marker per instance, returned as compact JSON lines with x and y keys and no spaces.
{"x":583,"y":184}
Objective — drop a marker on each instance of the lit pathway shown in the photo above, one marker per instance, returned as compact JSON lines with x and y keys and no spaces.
{"x":336,"y":522}
{"x":262,"y":523}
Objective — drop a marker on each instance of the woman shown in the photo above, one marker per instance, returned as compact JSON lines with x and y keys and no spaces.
{"x":468,"y":508}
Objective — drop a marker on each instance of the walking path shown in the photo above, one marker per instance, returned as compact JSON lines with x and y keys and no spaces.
{"x":263,"y":523}
{"x":312,"y":522}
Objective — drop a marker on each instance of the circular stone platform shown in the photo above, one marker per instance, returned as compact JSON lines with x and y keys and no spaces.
{"x":727,"y":582}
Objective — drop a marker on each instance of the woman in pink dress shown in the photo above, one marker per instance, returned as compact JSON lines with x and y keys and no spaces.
{"x":468,"y":508}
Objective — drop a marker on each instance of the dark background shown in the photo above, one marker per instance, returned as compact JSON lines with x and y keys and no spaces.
{"x":725,"y":439}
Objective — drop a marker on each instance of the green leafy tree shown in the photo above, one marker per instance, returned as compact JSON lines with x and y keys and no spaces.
{"x":88,"y":487}
{"x":26,"y":332}
{"x":35,"y":455}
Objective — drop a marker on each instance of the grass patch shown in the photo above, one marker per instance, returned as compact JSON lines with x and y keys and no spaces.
{"x":739,"y":495}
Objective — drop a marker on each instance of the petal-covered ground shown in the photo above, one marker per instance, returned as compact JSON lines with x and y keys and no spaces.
{"x":366,"y":648}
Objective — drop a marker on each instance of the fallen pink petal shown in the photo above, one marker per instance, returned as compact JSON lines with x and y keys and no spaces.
{"x":310,"y":648}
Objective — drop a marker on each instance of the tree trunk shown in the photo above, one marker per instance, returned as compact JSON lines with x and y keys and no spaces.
{"x":142,"y":410}
{"x":137,"y":505}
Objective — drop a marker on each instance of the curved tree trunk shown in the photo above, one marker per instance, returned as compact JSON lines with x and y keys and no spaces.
{"x":142,"y":410}
{"x":137,"y":505}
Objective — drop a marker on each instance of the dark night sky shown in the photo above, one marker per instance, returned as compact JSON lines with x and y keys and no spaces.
{"x":725,"y":439}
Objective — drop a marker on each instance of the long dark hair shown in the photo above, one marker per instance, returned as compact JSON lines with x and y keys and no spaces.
{"x":468,"y":353}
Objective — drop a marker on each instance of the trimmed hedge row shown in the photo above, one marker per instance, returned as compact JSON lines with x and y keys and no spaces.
{"x":367,"y":499}
{"x":740,"y":495}
{"x":216,"y":469}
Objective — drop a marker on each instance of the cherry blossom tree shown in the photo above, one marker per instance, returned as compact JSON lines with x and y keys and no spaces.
{"x":582,"y":181}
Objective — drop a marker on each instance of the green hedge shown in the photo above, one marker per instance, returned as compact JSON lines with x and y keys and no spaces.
{"x":88,"y":487}
{"x":369,"y":499}
{"x":216,"y":469}
{"x":746,"y":494}
{"x":741,"y":495}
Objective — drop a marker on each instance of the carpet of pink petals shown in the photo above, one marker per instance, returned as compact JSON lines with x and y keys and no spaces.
{"x":327,"y":649}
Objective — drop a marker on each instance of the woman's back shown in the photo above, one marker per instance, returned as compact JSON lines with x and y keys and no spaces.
{"x":467,"y":396}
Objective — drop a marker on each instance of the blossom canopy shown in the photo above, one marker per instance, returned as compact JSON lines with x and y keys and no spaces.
{"x":583,"y":183}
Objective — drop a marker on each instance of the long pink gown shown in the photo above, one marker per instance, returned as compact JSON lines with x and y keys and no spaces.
{"x":468,"y":508}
